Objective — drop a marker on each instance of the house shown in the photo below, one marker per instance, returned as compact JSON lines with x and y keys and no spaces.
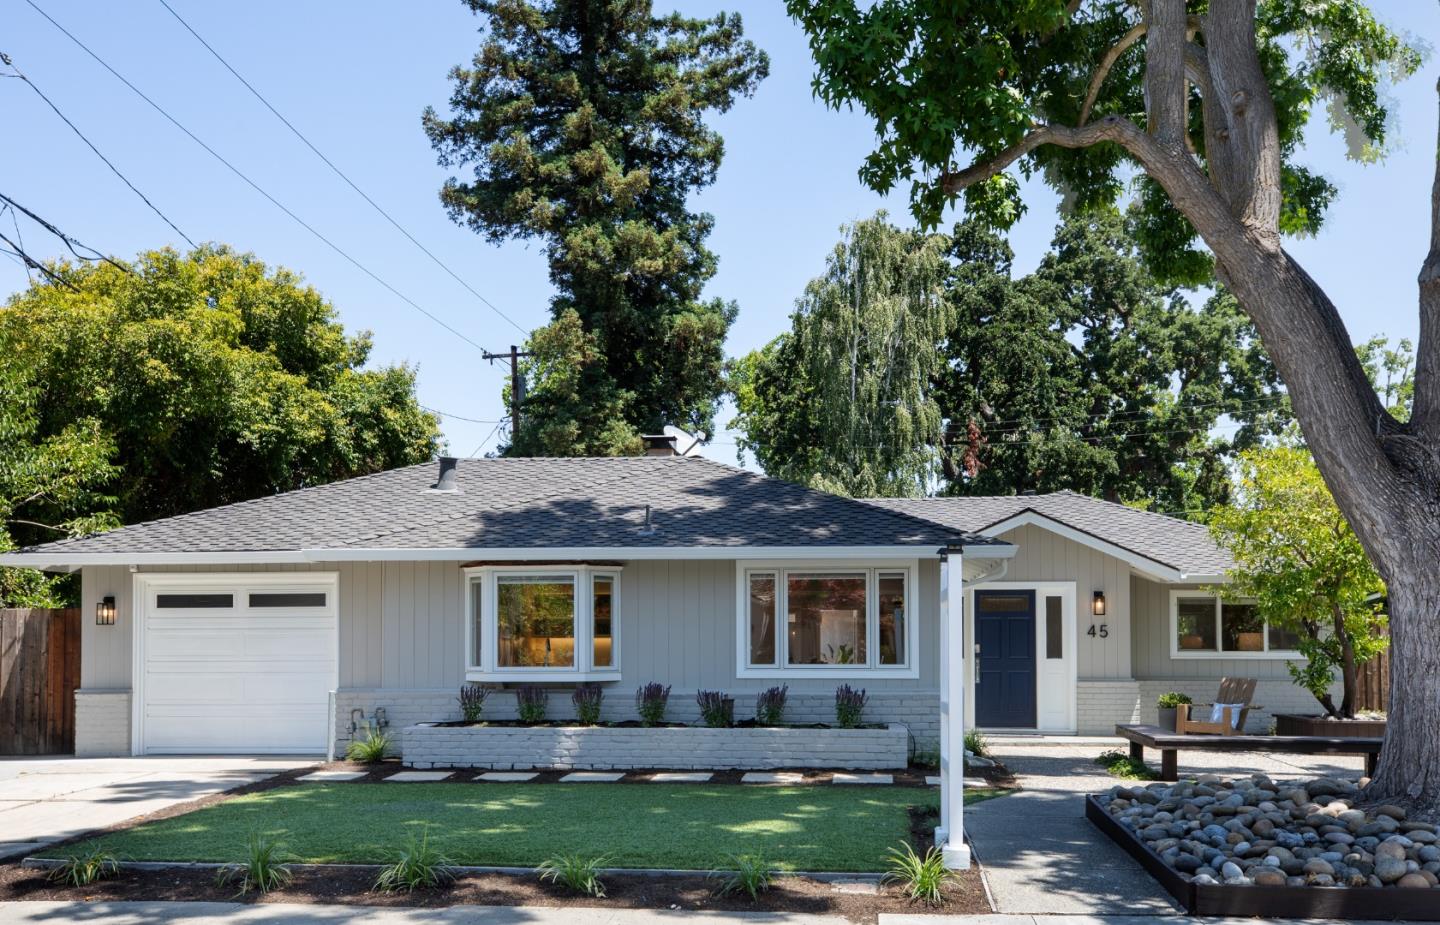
{"x":282,"y":624}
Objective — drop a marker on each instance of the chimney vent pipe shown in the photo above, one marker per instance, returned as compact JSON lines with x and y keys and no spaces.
{"x":449,"y":467}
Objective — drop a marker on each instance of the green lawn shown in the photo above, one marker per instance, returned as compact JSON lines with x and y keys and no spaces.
{"x":658,"y":825}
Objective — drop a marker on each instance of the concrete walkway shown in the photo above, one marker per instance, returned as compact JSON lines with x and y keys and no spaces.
{"x":44,"y":800}
{"x":132,"y":913}
{"x":1041,"y":856}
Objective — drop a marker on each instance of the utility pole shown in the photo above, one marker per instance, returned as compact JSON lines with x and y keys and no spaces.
{"x":517,"y":382}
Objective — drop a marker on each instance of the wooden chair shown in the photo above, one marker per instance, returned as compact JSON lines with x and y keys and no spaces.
{"x":1232,"y":691}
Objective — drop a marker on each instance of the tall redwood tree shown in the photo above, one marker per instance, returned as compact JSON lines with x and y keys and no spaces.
{"x":1208,"y":102}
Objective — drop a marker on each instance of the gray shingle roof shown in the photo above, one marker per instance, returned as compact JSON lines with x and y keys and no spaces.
{"x":531,"y":503}
{"x":1178,"y":544}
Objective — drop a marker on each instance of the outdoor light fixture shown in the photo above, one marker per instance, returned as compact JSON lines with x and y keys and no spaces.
{"x":105,"y":611}
{"x":1098,"y":606}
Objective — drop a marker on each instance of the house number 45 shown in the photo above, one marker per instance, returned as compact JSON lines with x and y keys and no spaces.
{"x":1102,"y":630}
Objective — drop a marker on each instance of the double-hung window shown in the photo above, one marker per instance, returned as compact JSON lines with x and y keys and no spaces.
{"x":539,"y":623}
{"x":826,"y":620}
{"x":1208,"y":626}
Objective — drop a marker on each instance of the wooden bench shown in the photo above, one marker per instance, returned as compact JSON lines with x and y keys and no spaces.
{"x":1143,"y":736}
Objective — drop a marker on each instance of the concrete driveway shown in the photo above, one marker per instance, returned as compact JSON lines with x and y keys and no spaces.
{"x":44,"y":800}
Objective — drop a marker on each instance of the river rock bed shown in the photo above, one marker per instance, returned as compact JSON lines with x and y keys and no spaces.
{"x":1257,"y":832}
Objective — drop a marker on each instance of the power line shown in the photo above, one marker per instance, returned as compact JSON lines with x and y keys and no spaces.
{"x":337,"y":171}
{"x":253,"y":185}
{"x":458,"y":417}
{"x":70,"y":243}
{"x":494,"y":430}
{"x":90,"y":144}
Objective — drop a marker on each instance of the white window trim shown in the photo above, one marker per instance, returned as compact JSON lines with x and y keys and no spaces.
{"x":1176,"y":652}
{"x":583,"y":669}
{"x":872,"y":668}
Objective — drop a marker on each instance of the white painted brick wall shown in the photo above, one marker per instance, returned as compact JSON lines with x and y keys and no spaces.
{"x":1103,"y":703}
{"x":602,"y":748}
{"x":102,"y":723}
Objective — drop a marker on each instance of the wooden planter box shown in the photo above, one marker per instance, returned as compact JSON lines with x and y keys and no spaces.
{"x":1276,"y":902}
{"x":1294,"y":724}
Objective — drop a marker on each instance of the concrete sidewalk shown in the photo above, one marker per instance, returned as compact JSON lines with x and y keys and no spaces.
{"x":157,"y":913}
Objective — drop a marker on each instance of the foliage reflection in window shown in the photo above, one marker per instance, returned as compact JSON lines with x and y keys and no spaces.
{"x":536,"y":619}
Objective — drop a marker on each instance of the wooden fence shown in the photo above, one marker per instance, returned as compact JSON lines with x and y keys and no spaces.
{"x":1373,"y":692}
{"x":39,"y":672}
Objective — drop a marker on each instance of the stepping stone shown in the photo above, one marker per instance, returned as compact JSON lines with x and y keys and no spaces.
{"x":932,"y":780}
{"x":413,"y":777}
{"x":842,"y":778}
{"x":772,"y":777}
{"x":592,"y":777}
{"x":501,"y":777}
{"x":319,"y":776}
{"x":970,"y":783}
{"x":673,"y":777}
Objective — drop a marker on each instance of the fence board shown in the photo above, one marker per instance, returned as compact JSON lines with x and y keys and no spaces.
{"x":1373,"y":688}
{"x":39,"y":672}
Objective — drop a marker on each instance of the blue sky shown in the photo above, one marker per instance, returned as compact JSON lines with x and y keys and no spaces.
{"x":355,"y":78}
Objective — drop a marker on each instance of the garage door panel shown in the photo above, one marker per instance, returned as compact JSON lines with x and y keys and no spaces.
{"x":237,"y":680}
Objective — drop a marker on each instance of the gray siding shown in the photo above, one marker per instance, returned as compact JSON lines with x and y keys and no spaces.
{"x":1046,"y":556}
{"x":1150,"y":603}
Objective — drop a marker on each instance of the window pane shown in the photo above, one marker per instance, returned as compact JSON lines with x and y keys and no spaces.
{"x":194,"y":601}
{"x":1283,"y":640}
{"x":892,"y":618}
{"x":1241,"y":629}
{"x":477,"y":624}
{"x":1054,"y":629}
{"x":826,"y":619}
{"x":762,"y":619}
{"x":536,"y":619}
{"x":1195,"y":624}
{"x":995,"y":602}
{"x":603,"y":612}
{"x":288,"y":599}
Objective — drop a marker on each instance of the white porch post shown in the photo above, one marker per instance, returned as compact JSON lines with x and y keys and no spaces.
{"x":950,"y":835}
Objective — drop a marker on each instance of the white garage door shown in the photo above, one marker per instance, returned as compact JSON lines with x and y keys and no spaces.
{"x":237,"y":663}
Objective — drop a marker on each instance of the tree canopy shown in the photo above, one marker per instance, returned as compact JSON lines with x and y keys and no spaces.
{"x":185,"y":381}
{"x":582,"y":125}
{"x":921,"y":363}
{"x":1307,"y":573}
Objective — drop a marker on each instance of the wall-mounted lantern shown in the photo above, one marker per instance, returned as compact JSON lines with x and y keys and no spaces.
{"x":105,"y":611}
{"x":1097,"y":606}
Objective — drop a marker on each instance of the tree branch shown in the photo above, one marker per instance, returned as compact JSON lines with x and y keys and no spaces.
{"x":1131,"y":36}
{"x":1425,"y":415}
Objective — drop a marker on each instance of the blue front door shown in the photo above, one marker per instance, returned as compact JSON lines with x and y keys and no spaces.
{"x":1005,"y":659}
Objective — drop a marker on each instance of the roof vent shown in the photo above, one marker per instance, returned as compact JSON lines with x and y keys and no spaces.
{"x":659,"y":445}
{"x":449,"y":467}
{"x":649,"y":528}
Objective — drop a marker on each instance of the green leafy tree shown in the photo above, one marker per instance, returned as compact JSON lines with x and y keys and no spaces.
{"x":1297,"y":557}
{"x":843,"y":402}
{"x":1209,"y":105}
{"x":583,"y":126}
{"x":188,"y":381}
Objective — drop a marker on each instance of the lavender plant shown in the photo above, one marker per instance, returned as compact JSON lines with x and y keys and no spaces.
{"x":532,"y":702}
{"x":770,"y":705}
{"x":715,"y":710}
{"x":650,"y":701}
{"x":849,"y":706}
{"x":587,"y":699}
{"x":472,"y":701}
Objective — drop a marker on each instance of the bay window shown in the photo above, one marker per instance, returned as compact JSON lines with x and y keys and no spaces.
{"x":838,"y":621}
{"x":542,"y":623}
{"x":1207,"y":626}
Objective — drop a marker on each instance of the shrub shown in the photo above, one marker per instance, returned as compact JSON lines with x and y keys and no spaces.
{"x":578,"y":874}
{"x":532,"y":702}
{"x":976,"y":745}
{"x":1122,"y":765}
{"x":714,"y":709}
{"x":85,"y":867}
{"x":472,"y":701}
{"x":928,"y":758}
{"x":770,"y":705}
{"x":752,"y":874}
{"x":370,"y":749}
{"x":921,"y":878}
{"x":587,"y":699}
{"x":849,"y":706}
{"x":651,"y":700}
{"x":1172,"y":699}
{"x":416,"y":865}
{"x":263,"y":869}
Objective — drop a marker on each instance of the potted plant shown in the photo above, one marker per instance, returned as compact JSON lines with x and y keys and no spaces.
{"x":1167,"y":703}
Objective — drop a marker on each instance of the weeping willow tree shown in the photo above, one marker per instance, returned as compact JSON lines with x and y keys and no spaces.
{"x":842,"y":401}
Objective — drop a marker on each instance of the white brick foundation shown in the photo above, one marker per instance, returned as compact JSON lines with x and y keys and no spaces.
{"x":102,"y":723}
{"x":1103,"y":703}
{"x":601,"y":747}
